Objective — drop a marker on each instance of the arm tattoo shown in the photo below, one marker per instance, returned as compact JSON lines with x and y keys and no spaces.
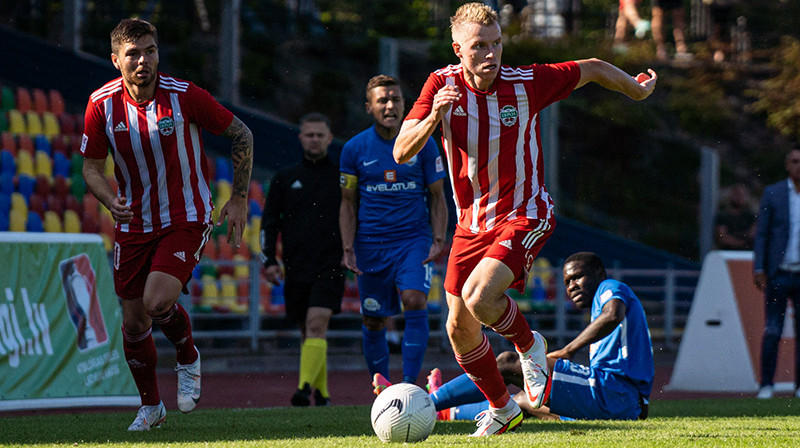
{"x":241,"y":155}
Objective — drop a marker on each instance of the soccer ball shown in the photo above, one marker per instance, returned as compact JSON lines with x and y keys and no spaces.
{"x":403,"y":413}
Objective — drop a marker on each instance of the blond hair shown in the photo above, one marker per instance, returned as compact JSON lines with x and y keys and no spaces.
{"x":474,"y":12}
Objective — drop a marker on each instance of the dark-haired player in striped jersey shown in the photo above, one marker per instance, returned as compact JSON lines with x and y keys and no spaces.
{"x":151,"y":124}
{"x":488,"y":114}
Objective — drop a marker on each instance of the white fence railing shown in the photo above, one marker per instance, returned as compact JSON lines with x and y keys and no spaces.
{"x":244,"y":306}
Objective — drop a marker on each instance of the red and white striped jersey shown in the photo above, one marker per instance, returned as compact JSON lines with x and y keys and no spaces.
{"x":491,"y":140}
{"x":157,"y":147}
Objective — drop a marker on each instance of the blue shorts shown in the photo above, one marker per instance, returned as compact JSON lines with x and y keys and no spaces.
{"x":389,"y":268}
{"x":581,"y":392}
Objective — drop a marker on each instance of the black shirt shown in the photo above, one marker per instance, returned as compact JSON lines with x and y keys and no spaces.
{"x":303,"y":206}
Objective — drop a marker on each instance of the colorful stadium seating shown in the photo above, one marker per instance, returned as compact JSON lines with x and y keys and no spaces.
{"x":52,"y":223}
{"x":24,"y":101}
{"x":17,"y":221}
{"x":16,"y":122}
{"x":34,"y":223}
{"x":33,"y":123}
{"x":39,"y":101}
{"x":56,"y":102}
{"x":72,"y":222}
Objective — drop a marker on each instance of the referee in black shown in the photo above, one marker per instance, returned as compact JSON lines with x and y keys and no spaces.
{"x":303,"y":207}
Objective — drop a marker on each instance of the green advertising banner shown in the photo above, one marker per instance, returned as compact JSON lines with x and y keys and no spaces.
{"x":60,"y":344}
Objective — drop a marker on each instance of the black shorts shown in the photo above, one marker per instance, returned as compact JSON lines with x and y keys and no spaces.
{"x":668,"y":4}
{"x":325,"y":291}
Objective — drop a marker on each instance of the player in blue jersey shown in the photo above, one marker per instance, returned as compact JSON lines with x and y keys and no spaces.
{"x":389,"y":238}
{"x":616,"y":384}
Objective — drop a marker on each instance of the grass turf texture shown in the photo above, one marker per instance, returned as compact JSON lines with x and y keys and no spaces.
{"x":688,"y":423}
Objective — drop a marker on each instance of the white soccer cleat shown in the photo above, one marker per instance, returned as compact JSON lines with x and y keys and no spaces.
{"x":497,"y":421}
{"x":149,"y":417}
{"x":188,"y":384}
{"x":535,"y":372}
{"x":765,"y":392}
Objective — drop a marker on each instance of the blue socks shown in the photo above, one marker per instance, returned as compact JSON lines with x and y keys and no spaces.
{"x":376,"y":351}
{"x":458,"y":391}
{"x":415,"y":343}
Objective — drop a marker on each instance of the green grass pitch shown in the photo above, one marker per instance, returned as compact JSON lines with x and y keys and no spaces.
{"x":687,"y":423}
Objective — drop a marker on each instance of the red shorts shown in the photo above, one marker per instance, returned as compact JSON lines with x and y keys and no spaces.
{"x":515,"y":243}
{"x":174,"y":250}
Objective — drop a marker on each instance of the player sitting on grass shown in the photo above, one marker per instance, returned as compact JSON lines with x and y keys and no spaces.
{"x":617,"y":383}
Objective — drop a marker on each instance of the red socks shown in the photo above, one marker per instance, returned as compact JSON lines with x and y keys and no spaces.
{"x":481,"y":366}
{"x":177,"y":328}
{"x":513,"y":326}
{"x":140,"y":352}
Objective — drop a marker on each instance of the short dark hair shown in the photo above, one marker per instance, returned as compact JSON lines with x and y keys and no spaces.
{"x":380,"y":81}
{"x":130,"y":30}
{"x":315,"y":117}
{"x":591,"y":261}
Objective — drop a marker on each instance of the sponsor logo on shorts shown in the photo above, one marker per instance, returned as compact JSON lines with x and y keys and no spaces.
{"x":371,"y":304}
{"x":506,"y":244}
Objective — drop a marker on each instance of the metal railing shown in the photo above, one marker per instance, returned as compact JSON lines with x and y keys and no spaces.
{"x":666,"y":295}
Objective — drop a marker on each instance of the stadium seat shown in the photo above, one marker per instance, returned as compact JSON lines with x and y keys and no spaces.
{"x":224,"y":191}
{"x":242,"y":270}
{"x":5,"y":203}
{"x":67,"y":124}
{"x":25,"y":143}
{"x":37,"y":204}
{"x":56,"y":101}
{"x":61,"y":164}
{"x":42,"y":186}
{"x":34,"y":223}
{"x":59,"y":145}
{"x":107,"y":225}
{"x":108,"y":243}
{"x":210,"y":290}
{"x":6,"y":184}
{"x":17,"y":221}
{"x":55,"y":204}
{"x":25,"y":185}
{"x":43,"y":164}
{"x":8,"y":166}
{"x":19,"y":203}
{"x":25,"y":164}
{"x":78,"y":118}
{"x":16,"y":122}
{"x":72,"y":223}
{"x":42,"y":143}
{"x":52,"y":223}
{"x":224,"y":170}
{"x":256,"y":193}
{"x":75,"y":146}
{"x":71,"y":203}
{"x":3,"y":122}
{"x":33,"y":123}
{"x":7,"y":142}
{"x":77,"y":186}
{"x":75,"y":164}
{"x":60,"y":187}
{"x":50,"y":125}
{"x":89,"y":225}
{"x":108,"y":169}
{"x":6,"y":99}
{"x":254,"y":236}
{"x":24,"y":101}
{"x":5,"y":221}
{"x":91,"y":208}
{"x":254,"y":208}
{"x":39,"y":101}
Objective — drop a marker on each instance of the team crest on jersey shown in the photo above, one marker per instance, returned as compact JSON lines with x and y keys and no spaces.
{"x":508,"y":115}
{"x":166,"y":126}
{"x":412,"y":161}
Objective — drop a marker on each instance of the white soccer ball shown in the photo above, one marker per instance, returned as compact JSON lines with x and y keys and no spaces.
{"x":403,"y":413}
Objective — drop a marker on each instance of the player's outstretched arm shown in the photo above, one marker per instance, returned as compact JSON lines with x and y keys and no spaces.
{"x":612,"y":315}
{"x":614,"y":78}
{"x":414,"y":133}
{"x":235,"y":210}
